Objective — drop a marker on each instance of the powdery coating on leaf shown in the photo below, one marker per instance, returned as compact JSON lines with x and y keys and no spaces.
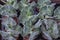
{"x":35,"y":17}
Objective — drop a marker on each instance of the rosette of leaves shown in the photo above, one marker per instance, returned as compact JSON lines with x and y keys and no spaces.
{"x":34,"y":24}
{"x":8,"y":23}
{"x":50,"y":28}
{"x":42,"y":3}
{"x":8,"y":10}
{"x":46,"y":8}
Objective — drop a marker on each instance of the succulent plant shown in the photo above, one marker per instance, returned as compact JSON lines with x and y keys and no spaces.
{"x":29,"y":18}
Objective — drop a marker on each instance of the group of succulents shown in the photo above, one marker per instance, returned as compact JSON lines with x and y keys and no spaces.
{"x":29,"y":19}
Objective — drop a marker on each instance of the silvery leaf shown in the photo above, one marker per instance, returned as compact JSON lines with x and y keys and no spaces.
{"x":57,"y":13}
